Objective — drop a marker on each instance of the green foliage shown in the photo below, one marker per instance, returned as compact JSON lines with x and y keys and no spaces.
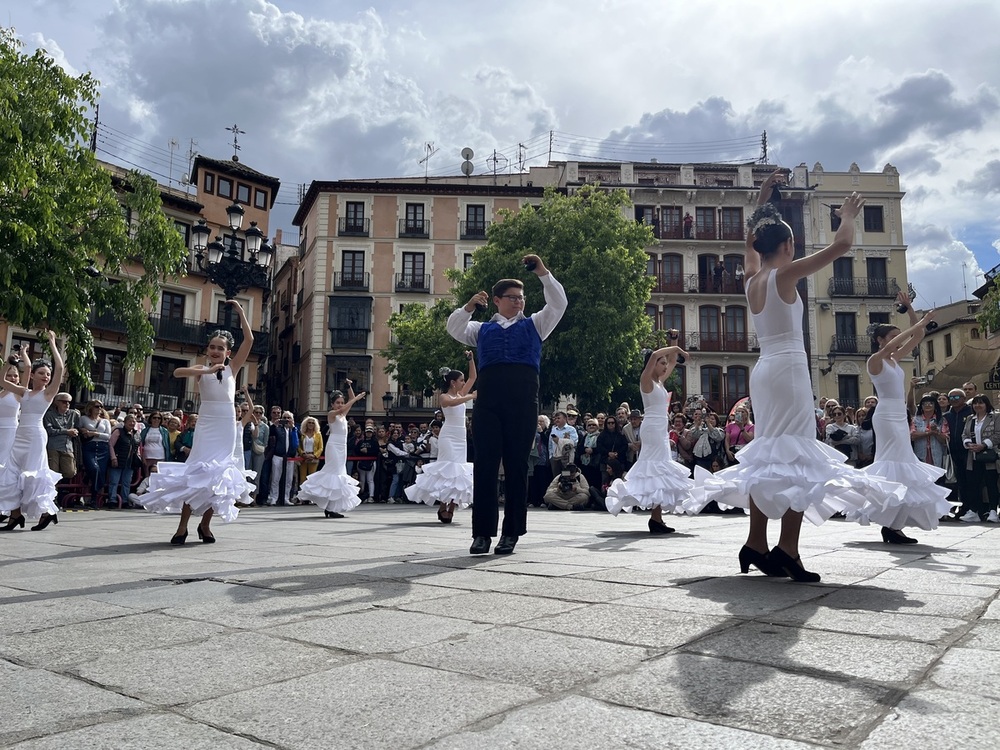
{"x":62,"y":230}
{"x":420,"y":346}
{"x":597,"y":253}
{"x":988,"y":316}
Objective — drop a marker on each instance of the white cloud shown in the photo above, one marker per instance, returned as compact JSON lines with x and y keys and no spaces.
{"x":51,"y":46}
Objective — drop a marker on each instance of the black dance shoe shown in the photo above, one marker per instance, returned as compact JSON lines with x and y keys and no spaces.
{"x":44,"y":521}
{"x":792,"y":568}
{"x":205,"y":538}
{"x":895,"y":536}
{"x":14,"y":523}
{"x":480,"y":545}
{"x":760,"y":561}
{"x":506,"y":545}
{"x":179,"y":539}
{"x":332,"y":514}
{"x":658,"y":527}
{"x":444,"y":515}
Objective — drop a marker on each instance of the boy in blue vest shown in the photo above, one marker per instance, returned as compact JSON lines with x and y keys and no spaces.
{"x":506,"y":412}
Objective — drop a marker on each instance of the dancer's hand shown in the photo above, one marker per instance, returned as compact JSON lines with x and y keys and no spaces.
{"x":851,"y":208}
{"x":478,"y":299}
{"x":902,"y":298}
{"x":540,"y":269}
{"x":777,"y":177}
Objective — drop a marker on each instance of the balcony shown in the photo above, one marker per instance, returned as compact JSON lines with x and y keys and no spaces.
{"x":352,"y":227}
{"x":409,"y":401}
{"x":668,"y":232}
{"x":473,"y":230}
{"x":855,"y":287}
{"x":419,"y":283}
{"x":413,"y":228}
{"x":707,"y":284}
{"x":350,"y":281}
{"x":106,"y":322}
{"x":349,"y":338}
{"x":722,"y":342}
{"x":851,"y":344}
{"x":669,"y":284}
{"x":114,"y":395}
{"x":179,"y":330}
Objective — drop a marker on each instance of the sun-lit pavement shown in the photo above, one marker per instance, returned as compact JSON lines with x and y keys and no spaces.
{"x":380,"y":631}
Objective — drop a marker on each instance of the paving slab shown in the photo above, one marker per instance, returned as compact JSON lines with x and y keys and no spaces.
{"x":493,"y":607}
{"x":366,"y":705}
{"x":934,"y":719}
{"x":970,"y":670}
{"x":154,"y":732}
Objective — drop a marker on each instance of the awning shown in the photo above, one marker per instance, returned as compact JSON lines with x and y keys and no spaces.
{"x":972,"y":364}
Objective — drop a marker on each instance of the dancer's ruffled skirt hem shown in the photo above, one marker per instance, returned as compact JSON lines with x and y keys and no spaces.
{"x":333,"y":491}
{"x":33,"y":492}
{"x":922,"y":506}
{"x":443,"y":482}
{"x":789,"y":472}
{"x":650,"y":484}
{"x":214,"y":485}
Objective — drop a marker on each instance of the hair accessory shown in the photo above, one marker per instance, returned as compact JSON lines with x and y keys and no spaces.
{"x":763,"y":216}
{"x":444,"y":371}
{"x":872,"y":328}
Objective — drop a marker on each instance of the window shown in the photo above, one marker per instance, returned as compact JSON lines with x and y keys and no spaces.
{"x":475,"y":215}
{"x":845,"y":340}
{"x":172,"y":306}
{"x":843,"y":277}
{"x":947,"y":345}
{"x":352,"y":268}
{"x":708,"y":328}
{"x":242,"y":193}
{"x":670,"y":221}
{"x":737,"y":384}
{"x":355,"y":214}
{"x":704,"y":222}
{"x":225,"y":188}
{"x":878,"y":282}
{"x":226,"y":315}
{"x":736,"y":329}
{"x":711,"y":387}
{"x":651,"y":265}
{"x":356,"y":369}
{"x":974,"y":333}
{"x":237,"y":243}
{"x":413,"y":266}
{"x":873,"y":219}
{"x":849,"y":390}
{"x":645,"y":214}
{"x":415,"y":217}
{"x":108,"y":371}
{"x":673,"y":318}
{"x":732,"y":224}
{"x":834,"y":219}
{"x":209,"y":182}
{"x":467,"y":261}
{"x":185,"y":231}
{"x":259,"y":198}
{"x":350,"y":322}
{"x":673,"y":273}
{"x":930,"y":351}
{"x":161,"y":376}
{"x":653,"y":314}
{"x":877,"y":318}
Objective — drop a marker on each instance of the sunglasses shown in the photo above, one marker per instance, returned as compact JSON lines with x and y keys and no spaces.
{"x":954,"y":398}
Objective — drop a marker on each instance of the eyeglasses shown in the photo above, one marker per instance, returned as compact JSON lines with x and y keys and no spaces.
{"x":65,"y":401}
{"x":954,"y":398}
{"x":513,"y":297}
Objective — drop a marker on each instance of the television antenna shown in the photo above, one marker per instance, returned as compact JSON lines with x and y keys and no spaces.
{"x":429,"y":151}
{"x":497,"y":162}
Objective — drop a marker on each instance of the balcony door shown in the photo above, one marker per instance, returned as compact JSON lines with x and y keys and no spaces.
{"x":709,"y":336}
{"x":846,"y":332}
{"x":843,"y":276}
{"x":736,"y":329}
{"x":878,"y":281}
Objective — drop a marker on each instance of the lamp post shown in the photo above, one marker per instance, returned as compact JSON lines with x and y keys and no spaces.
{"x":387,"y":403}
{"x":226,"y":267}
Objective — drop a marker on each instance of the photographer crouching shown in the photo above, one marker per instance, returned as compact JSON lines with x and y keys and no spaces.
{"x":568,"y":491}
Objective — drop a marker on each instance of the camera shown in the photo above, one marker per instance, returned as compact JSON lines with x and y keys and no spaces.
{"x":920,"y":381}
{"x":901,"y":308}
{"x":566,"y":484}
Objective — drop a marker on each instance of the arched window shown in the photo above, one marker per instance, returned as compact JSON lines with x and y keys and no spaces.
{"x":974,"y":333}
{"x":737,"y":385}
{"x":711,"y":387}
{"x":650,"y":265}
{"x":673,"y":273}
{"x":673,"y":317}
{"x":709,"y":336}
{"x":736,"y":329}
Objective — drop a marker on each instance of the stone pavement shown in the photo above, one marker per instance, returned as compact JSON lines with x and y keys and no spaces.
{"x":380,"y":631}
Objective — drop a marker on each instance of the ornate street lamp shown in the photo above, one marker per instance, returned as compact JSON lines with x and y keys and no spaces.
{"x":387,"y":403}
{"x":225,"y":266}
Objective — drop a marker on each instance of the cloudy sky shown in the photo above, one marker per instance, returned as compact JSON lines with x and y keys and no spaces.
{"x":345,"y":89}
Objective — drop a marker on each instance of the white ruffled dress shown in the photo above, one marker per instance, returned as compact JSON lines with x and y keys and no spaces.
{"x":924,"y":502}
{"x":449,"y":478}
{"x":211,"y":478}
{"x":332,"y":488}
{"x":785,"y":467}
{"x":26,"y":481}
{"x":655,"y":479}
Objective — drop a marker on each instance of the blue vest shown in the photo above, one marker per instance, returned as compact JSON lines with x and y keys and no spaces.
{"x":518,"y":344}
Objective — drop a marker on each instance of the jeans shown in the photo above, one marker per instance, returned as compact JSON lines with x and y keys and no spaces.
{"x":394,"y":488}
{"x":119,"y":484}
{"x":96,"y":457}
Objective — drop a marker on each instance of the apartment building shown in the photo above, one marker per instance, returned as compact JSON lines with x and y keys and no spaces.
{"x":190,"y":306}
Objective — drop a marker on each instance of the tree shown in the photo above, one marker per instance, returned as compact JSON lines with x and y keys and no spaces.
{"x":68,"y":247}
{"x":420,"y":346}
{"x":598,"y":254}
{"x":988,"y":316}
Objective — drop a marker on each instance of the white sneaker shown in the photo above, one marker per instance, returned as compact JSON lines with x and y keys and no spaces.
{"x":993,"y":517}
{"x":971,"y":517}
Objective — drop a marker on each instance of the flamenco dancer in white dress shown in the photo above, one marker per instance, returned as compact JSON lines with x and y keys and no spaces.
{"x":448,"y":480}
{"x":332,"y":489}
{"x":924,"y":502}
{"x":785,"y":472}
{"x":10,"y":409}
{"x":211,"y":481}
{"x":655,"y":482}
{"x":27,"y":485}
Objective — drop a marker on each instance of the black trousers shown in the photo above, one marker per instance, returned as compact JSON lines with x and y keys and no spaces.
{"x":503,"y":427}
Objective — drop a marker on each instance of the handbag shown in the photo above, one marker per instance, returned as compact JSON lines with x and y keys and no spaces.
{"x":257,"y":448}
{"x":949,"y":469}
{"x":987,"y":456}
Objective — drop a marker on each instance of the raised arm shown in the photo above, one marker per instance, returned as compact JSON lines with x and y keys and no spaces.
{"x":751,"y":263}
{"x":473,"y":374}
{"x":646,"y":378}
{"x":902,"y":298}
{"x":548,"y":317}
{"x":352,"y":399}
{"x":904,"y":341}
{"x":461,"y":326}
{"x":57,"y":368}
{"x":240,"y":357}
{"x":842,"y":242}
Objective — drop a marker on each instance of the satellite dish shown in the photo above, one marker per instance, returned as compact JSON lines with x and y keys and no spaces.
{"x":467,"y":167}
{"x":467,"y":153}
